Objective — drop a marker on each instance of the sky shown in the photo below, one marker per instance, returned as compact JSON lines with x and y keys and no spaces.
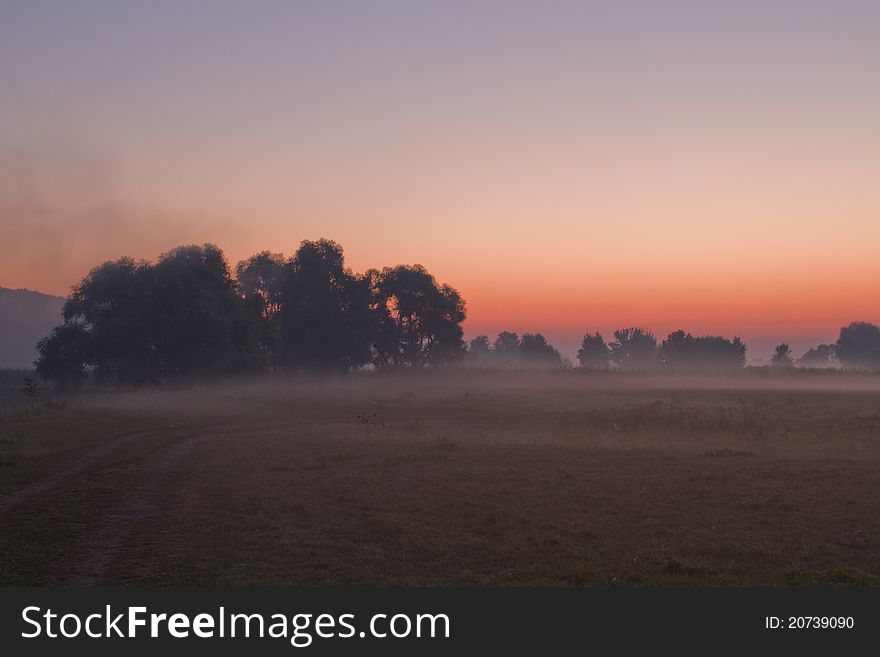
{"x":567,"y":166}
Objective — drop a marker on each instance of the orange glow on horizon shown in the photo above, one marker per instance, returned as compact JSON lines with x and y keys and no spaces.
{"x":688,"y":166}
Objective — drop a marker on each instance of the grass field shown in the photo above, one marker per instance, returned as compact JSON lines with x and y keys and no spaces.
{"x":462,"y":478}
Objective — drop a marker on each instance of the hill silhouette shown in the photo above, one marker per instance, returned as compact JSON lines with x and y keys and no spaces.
{"x":25,"y":318}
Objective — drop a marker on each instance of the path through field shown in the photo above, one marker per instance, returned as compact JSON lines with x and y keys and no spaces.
{"x":88,"y":567}
{"x":116,"y":485}
{"x":7,"y":502}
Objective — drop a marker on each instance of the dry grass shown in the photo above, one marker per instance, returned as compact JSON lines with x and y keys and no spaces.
{"x":465,"y":479}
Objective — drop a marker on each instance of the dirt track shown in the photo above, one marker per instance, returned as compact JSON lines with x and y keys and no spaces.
{"x":89,"y":566}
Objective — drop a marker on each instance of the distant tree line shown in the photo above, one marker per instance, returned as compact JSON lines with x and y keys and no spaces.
{"x":186,"y":317}
{"x":510,"y":350}
{"x":631,"y":349}
{"x":857,"y":347}
{"x":636,"y":348}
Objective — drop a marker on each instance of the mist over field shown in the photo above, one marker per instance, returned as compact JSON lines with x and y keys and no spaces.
{"x":457,"y":477}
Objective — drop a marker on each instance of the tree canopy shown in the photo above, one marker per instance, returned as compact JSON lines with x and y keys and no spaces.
{"x":132,"y":322}
{"x":634,"y":349}
{"x":782,"y":356}
{"x":262,"y":276}
{"x":682,"y":350}
{"x":535,"y":350}
{"x":418,"y":321}
{"x":858,"y":345}
{"x":823,"y":355}
{"x":325,"y":317}
{"x":509,"y":350}
{"x":479,"y":351}
{"x":505,"y":348}
{"x":594,"y":353}
{"x":185,"y":317}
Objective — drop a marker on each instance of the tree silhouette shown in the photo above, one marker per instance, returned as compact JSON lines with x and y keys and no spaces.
{"x":682,"y":350}
{"x":859,"y":345}
{"x":199,"y":322}
{"x":822,"y":355}
{"x":130,"y":322}
{"x":185,"y":317}
{"x":479,"y":350}
{"x":324,"y":312}
{"x":534,"y":351}
{"x":113,"y":303}
{"x":505,"y":349}
{"x":64,"y":354}
{"x":634,"y":349}
{"x":263,"y":275}
{"x":594,"y":353}
{"x":782,"y":356}
{"x":418,"y":321}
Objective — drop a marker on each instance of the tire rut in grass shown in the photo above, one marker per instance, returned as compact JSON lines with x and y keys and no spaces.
{"x":86,"y":461}
{"x":13,"y":499}
{"x":89,"y":567}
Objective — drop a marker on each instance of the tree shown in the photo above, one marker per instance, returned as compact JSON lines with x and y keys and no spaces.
{"x":634,"y":348}
{"x":479,"y":350}
{"x":419,"y":321}
{"x":682,"y":350}
{"x":185,"y":317}
{"x":326,"y":324}
{"x":261,"y":281}
{"x":262,"y":276}
{"x":505,"y":349}
{"x":130,"y":322}
{"x":819,"y":356}
{"x":113,"y":306}
{"x":200,"y":324}
{"x":678,"y":350}
{"x":858,"y":345}
{"x":782,"y":356}
{"x":534,"y":350}
{"x":64,"y":354}
{"x":594,"y":353}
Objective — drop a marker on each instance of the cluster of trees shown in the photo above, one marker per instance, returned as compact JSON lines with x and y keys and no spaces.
{"x":510,"y":350}
{"x":823,"y":355}
{"x":185,"y":316}
{"x":637,"y":349}
{"x":857,"y":347}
